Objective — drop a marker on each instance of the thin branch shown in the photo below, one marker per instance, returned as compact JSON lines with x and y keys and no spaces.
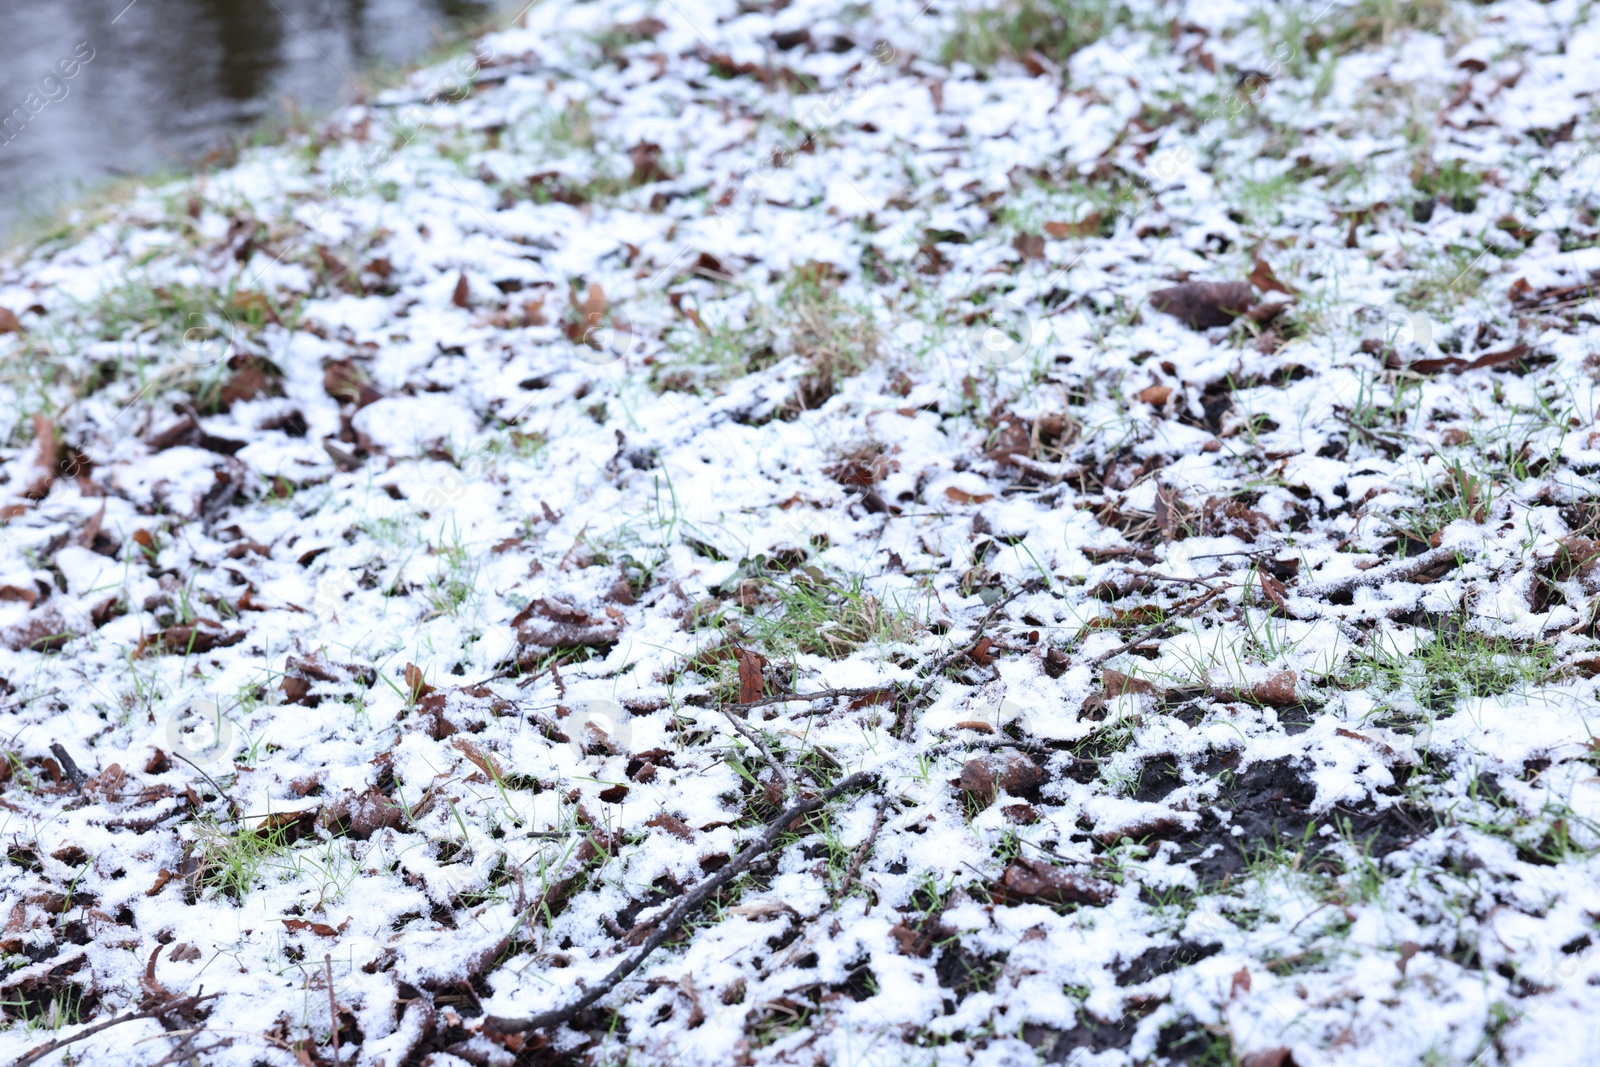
{"x":761,"y":746}
{"x":175,"y":1004}
{"x":800,"y":698}
{"x":1393,"y":572}
{"x":333,"y":1010}
{"x":1150,"y":631}
{"x":685,"y":907}
{"x":860,"y":853}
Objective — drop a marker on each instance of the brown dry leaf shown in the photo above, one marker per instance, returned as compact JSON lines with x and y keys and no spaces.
{"x":1203,"y":305}
{"x":1240,"y":983}
{"x":1263,"y":278}
{"x":1012,"y":772}
{"x":751,"y":684}
{"x":1457,"y":365}
{"x":19,"y":593}
{"x":1155,"y":395}
{"x":961,"y":496}
{"x":462,"y":297}
{"x":349,"y":384}
{"x":672,"y":825}
{"x":1272,"y":1057}
{"x":1276,"y":690}
{"x":480,"y":758}
{"x":1274,"y":592}
{"x":9,"y":322}
{"x":1088,"y":226}
{"x":1118,"y":684}
{"x":1034,"y":881}
{"x":200,"y":636}
{"x":320,"y":929}
{"x":415,"y":683}
{"x":360,"y":815}
{"x":1029,"y":245}
{"x":549,"y":623}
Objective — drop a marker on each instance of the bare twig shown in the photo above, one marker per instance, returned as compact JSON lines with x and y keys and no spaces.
{"x":333,"y":1009}
{"x":1393,"y":572}
{"x":804,"y":698}
{"x":685,"y":907}
{"x":175,"y":1004}
{"x":860,"y":853}
{"x":69,"y":767}
{"x":761,"y":746}
{"x":1150,"y":631}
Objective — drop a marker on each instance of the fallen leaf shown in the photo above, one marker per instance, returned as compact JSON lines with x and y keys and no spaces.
{"x":1273,"y":1057}
{"x":1263,"y":278}
{"x":9,"y":322}
{"x":1087,"y":226}
{"x":320,"y":929}
{"x":672,"y":825}
{"x":462,"y":297}
{"x":1203,"y":305}
{"x":1240,"y":983}
{"x":1118,"y":684}
{"x":480,"y":758}
{"x":751,"y":684}
{"x":1033,"y":881}
{"x":1155,"y":395}
{"x":1028,"y":245}
{"x":1012,"y":772}
{"x":1457,"y":365}
{"x":961,"y":496}
{"x":552,"y":624}
{"x":1276,"y":690}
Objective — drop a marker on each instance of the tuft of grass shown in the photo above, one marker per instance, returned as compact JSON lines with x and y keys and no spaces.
{"x":807,"y":317}
{"x":1455,"y":663}
{"x":1019,"y":30}
{"x":1368,"y":23}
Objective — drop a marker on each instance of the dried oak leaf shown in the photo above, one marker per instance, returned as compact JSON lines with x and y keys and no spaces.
{"x":751,"y":684}
{"x":1028,"y":881}
{"x":42,"y":630}
{"x":9,"y":322}
{"x":1272,"y":1057}
{"x":349,"y":384}
{"x":549,"y":623}
{"x":672,"y":825}
{"x":1011,"y":771}
{"x":360,"y":815}
{"x":1264,"y":279}
{"x":1203,"y":305}
{"x":202,"y":635}
{"x":1087,"y":226}
{"x":1118,"y":684}
{"x":320,"y":929}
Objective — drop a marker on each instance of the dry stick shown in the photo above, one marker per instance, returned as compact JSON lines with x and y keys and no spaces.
{"x":333,"y":1011}
{"x":685,"y":907}
{"x":175,"y":1004}
{"x":1150,"y":631}
{"x":1405,"y":568}
{"x":755,"y":739}
{"x":860,"y":854}
{"x":800,"y":698}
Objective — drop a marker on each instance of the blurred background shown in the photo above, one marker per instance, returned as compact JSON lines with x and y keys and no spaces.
{"x":173,"y":79}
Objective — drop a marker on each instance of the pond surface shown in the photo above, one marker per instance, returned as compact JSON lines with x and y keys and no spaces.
{"x":96,"y":89}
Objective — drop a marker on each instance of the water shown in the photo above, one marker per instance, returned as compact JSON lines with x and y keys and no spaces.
{"x":97,"y":89}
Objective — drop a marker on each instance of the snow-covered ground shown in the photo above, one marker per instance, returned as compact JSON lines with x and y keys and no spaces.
{"x":412,"y":528}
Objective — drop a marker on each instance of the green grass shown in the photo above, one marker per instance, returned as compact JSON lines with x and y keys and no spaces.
{"x":1451,"y":663}
{"x":1016,"y":29}
{"x":806,"y":317}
